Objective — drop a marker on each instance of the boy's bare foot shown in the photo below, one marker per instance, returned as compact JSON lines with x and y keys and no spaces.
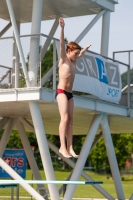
{"x":64,"y":153}
{"x":72,"y":153}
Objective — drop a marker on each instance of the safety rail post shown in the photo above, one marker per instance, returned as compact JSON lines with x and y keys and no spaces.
{"x":39,"y":82}
{"x":128,"y":82}
{"x":128,"y":75}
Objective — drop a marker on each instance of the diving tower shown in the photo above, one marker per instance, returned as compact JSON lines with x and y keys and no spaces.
{"x":34,"y":108}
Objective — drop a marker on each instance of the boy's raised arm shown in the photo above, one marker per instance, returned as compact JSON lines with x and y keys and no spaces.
{"x":62,"y":44}
{"x":84,"y":50}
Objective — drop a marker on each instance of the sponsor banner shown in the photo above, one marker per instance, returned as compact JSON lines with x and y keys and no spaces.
{"x":16,"y":159}
{"x":97,"y":76}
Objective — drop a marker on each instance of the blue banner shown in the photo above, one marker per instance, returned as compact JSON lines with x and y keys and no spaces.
{"x":16,"y":159}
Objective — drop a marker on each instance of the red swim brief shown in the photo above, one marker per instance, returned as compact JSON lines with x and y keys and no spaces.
{"x":60,"y":91}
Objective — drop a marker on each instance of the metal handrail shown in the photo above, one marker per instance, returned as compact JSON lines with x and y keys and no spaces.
{"x":123,"y":89}
{"x":53,"y":38}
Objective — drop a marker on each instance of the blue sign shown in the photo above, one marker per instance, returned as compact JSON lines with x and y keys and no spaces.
{"x":16,"y":159}
{"x":101,"y":69}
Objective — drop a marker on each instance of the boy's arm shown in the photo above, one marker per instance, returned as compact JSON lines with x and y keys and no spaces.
{"x":62,"y":44}
{"x":84,"y":50}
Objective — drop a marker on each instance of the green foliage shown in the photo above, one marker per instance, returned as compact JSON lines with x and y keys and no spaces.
{"x":123,"y":146}
{"x":124,"y":78}
{"x":22,"y":81}
{"x":4,"y":86}
{"x":47,"y":61}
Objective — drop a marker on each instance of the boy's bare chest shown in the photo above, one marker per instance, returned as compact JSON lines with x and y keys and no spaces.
{"x":67,"y":71}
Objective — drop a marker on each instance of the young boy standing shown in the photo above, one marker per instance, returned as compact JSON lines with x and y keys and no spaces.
{"x":67,"y":67}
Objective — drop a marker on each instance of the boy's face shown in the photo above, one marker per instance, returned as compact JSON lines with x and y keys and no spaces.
{"x":74,"y":54}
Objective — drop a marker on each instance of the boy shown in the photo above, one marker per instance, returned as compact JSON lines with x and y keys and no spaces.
{"x":67,"y":66}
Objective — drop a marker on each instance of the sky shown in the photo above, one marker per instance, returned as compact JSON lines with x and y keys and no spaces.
{"x":121,"y":29}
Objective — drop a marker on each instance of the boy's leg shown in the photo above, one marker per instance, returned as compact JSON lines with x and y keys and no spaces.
{"x":63,"y":110}
{"x":69,"y":128}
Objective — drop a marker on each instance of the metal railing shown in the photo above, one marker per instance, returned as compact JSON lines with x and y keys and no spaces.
{"x":127,"y":92}
{"x":11,"y":72}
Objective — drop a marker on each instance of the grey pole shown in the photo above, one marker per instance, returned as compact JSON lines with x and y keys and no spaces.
{"x":44,"y":150}
{"x":15,"y":63}
{"x":69,"y":161}
{"x":112,"y":157}
{"x":86,"y":30}
{"x":6,"y":134}
{"x":96,"y":140}
{"x":54,"y":66}
{"x":128,"y":83}
{"x":12,"y":16}
{"x":105,"y":33}
{"x":83,"y":174}
{"x":3,"y":122}
{"x":5,"y":29}
{"x":83,"y":156}
{"x":30,"y":156}
{"x":16,"y":176}
{"x":34,"y":43}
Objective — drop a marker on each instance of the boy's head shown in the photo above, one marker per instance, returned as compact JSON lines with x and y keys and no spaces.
{"x":73,"y":49}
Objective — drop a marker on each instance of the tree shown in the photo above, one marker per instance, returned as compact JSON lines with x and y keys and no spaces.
{"x":123,"y":146}
{"x":124,"y":78}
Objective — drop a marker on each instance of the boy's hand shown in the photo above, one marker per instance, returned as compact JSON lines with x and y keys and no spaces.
{"x":61,"y":22}
{"x":88,"y":46}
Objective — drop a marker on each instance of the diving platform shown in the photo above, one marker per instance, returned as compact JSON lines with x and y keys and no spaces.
{"x":53,"y":8}
{"x":26,"y":105}
{"x":15,"y":103}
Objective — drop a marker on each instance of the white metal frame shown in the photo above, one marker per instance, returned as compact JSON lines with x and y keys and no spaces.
{"x":69,"y":161}
{"x":112,"y":157}
{"x":5,"y":29}
{"x":38,"y":128}
{"x":15,"y":62}
{"x":90,"y":25}
{"x":15,"y":176}
{"x":30,"y":156}
{"x":16,"y":34}
{"x":34,"y":43}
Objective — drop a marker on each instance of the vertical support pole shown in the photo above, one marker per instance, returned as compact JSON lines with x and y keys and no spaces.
{"x":12,"y":16}
{"x":34,"y":44}
{"x":6,"y":135}
{"x":9,"y":80}
{"x":128,"y":82}
{"x":15,"y":68}
{"x":12,"y":193}
{"x":83,"y":156}
{"x":30,"y":156}
{"x":105,"y":33}
{"x":17,"y":192}
{"x":112,"y":157}
{"x":54,"y":66}
{"x":43,"y":146}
